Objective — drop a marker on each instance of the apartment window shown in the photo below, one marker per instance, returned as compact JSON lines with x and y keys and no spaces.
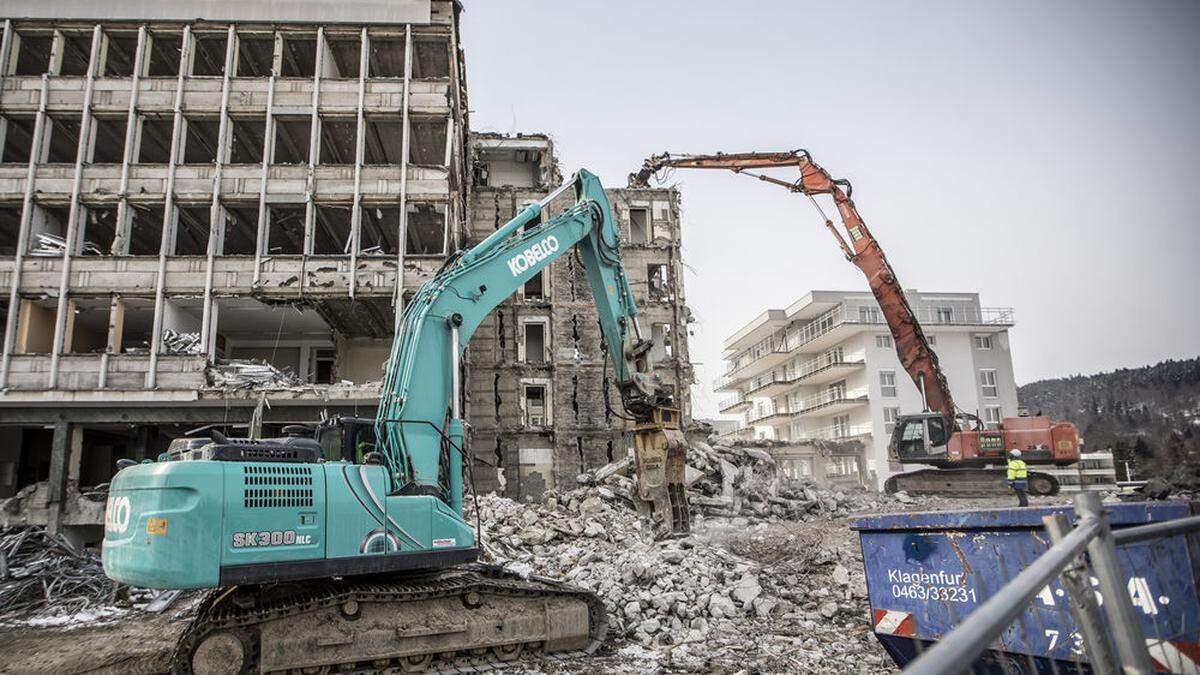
{"x":535,"y":345}
{"x":659,"y":281}
{"x":983,"y":342}
{"x":987,"y":381}
{"x":992,"y":416}
{"x":535,"y":400}
{"x":639,"y":225}
{"x":797,"y":468}
{"x":883,"y":341}
{"x":869,"y":315}
{"x":932,"y":340}
{"x":890,"y":415}
{"x":945,"y":315}
{"x":887,"y":383}
{"x":837,"y":390}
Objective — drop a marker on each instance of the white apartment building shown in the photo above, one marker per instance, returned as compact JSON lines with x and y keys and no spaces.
{"x":825,"y":369}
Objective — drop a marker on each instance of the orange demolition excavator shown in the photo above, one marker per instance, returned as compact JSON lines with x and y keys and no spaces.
{"x":967,"y":456}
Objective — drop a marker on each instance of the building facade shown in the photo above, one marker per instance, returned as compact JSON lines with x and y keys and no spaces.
{"x":543,"y":407}
{"x":824,"y":372}
{"x":216,"y":221}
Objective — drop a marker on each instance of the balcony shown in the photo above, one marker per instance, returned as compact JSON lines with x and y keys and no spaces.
{"x":831,"y":328}
{"x":830,"y":402}
{"x":732,"y":405}
{"x":836,"y":432}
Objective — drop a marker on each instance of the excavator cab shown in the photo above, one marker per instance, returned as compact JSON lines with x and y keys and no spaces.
{"x":920,"y":438}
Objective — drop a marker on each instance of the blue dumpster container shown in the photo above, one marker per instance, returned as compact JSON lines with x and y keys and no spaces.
{"x":927,"y":571}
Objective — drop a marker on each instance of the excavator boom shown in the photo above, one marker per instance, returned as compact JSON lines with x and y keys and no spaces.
{"x":912,"y":347}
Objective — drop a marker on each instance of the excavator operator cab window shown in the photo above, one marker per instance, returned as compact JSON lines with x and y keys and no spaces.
{"x":347,"y":439}
{"x":920,"y":436}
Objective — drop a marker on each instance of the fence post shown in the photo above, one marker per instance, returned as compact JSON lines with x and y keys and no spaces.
{"x":1126,"y":625}
{"x":1083,"y":603}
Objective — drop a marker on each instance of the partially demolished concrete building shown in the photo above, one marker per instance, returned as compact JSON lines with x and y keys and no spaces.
{"x":542,"y":406}
{"x":215,"y":221}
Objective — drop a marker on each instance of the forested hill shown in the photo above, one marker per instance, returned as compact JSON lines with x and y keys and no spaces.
{"x":1148,"y":415}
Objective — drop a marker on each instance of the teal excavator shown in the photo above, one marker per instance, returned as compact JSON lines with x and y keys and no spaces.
{"x":348,"y":550}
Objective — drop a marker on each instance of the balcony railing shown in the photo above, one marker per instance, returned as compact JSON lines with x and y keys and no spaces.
{"x":824,"y":398}
{"x":792,"y":340}
{"x":732,"y":401}
{"x":834,"y":433}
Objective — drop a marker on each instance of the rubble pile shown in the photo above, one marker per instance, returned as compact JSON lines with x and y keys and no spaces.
{"x":51,"y":244}
{"x":46,"y":581}
{"x":175,"y":342}
{"x":246,"y":374}
{"x":784,"y":595}
{"x":730,"y":480}
{"x":40,"y":572}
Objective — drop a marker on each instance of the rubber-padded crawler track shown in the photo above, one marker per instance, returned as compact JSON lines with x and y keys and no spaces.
{"x":219,"y":611}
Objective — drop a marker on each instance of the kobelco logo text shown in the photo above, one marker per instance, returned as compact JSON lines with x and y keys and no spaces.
{"x":530,"y":256}
{"x":117,"y":511}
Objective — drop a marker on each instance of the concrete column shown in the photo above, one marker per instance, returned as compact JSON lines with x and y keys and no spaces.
{"x":57,"y":481}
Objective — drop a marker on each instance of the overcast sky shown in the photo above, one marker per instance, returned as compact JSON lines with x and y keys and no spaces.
{"x":1043,"y":154}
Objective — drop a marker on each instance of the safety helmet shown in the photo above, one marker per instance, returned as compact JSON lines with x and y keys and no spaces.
{"x":1014,"y":453}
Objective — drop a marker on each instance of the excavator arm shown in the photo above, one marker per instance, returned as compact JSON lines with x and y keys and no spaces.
{"x":918,"y":360}
{"x":419,"y":428}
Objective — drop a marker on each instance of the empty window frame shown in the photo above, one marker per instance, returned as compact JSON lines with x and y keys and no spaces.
{"x":426,"y":229}
{"x":639,"y":225}
{"x":108,"y":140}
{"x":10,"y":228}
{"x":427,"y":141}
{"x":535,"y":341}
{"x":201,"y":139}
{"x":887,"y":383}
{"x":32,"y":54}
{"x":246,"y":141}
{"x":145,"y":229}
{"x":162,"y":55}
{"x":344,"y":56}
{"x":383,"y":141}
{"x":431,"y":57}
{"x":99,"y":230}
{"x":208,"y":54}
{"x":47,"y":228}
{"x":64,"y":139}
{"x":255,"y":55}
{"x":292,"y":136}
{"x":535,"y":404}
{"x":120,"y":54}
{"x":285,"y":230}
{"x":331,"y":233}
{"x":658,"y":278}
{"x":299,"y":55}
{"x":154,"y":140}
{"x":883,"y":341}
{"x":338,"y":135}
{"x":983,"y":342}
{"x":379,"y":229}
{"x":932,"y":340}
{"x":18,"y":140}
{"x":385,"y":56}
{"x":192,"y":230}
{"x":663,"y":336}
{"x":535,"y":288}
{"x":987,"y":383}
{"x":241,"y":230}
{"x":76,"y":52}
{"x":322,"y":368}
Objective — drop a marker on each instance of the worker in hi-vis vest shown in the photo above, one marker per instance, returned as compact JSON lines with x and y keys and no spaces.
{"x":1018,"y":477}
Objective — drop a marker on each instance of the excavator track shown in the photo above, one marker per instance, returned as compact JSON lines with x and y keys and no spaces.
{"x":966,"y":483}
{"x":469,"y":619}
